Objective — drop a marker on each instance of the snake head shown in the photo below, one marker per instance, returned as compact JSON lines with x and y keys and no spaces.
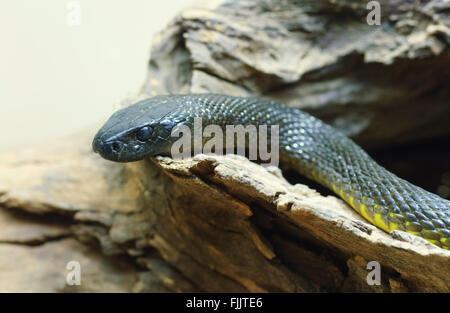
{"x":125,"y":146}
{"x":135,"y":132}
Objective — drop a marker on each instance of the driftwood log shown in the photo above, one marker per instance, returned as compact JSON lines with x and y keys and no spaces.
{"x":224,"y":224}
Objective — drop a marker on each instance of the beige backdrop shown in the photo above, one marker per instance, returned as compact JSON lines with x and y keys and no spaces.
{"x":57,"y":78}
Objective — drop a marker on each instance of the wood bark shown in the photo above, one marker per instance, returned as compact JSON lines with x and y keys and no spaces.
{"x":224,"y":224}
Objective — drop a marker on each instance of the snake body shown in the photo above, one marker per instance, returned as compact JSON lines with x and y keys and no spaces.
{"x":307,"y":145}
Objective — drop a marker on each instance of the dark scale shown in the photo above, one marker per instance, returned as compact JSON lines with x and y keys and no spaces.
{"x":307,"y":145}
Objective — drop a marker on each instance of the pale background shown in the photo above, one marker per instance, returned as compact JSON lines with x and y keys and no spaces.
{"x":56,"y":78}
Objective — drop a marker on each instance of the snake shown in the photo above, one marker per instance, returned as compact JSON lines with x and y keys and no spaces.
{"x":307,"y":145}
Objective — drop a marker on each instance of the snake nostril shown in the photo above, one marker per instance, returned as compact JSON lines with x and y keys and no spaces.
{"x":115,"y":146}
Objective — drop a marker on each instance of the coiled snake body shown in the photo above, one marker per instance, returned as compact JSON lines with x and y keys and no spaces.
{"x":306,"y":144}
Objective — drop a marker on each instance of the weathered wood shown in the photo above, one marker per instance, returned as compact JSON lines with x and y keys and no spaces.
{"x":384,"y":84}
{"x":226,"y":224}
{"x":204,"y":224}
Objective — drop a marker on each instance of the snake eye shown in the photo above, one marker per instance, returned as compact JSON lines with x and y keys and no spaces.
{"x":144,"y":133}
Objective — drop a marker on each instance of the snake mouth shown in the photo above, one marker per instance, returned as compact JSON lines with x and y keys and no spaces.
{"x":110,"y":150}
{"x":118,"y":151}
{"x":95,"y":145}
{"x":94,"y":148}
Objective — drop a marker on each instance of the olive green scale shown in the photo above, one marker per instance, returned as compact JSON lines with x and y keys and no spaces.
{"x":322,"y":153}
